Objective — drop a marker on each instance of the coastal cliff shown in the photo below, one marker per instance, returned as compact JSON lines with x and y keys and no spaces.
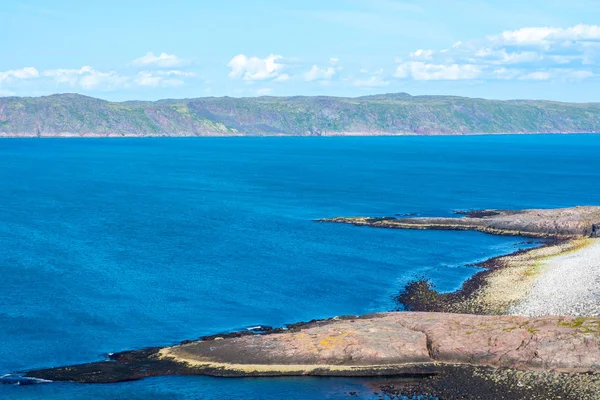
{"x":73,"y":115}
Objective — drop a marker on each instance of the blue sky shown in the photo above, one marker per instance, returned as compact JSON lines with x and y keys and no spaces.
{"x":130,"y":49}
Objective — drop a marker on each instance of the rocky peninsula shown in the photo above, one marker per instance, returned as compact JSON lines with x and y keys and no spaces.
{"x":526,"y":282}
{"x":561,"y":223}
{"x":417,"y":345}
{"x":465,"y":346}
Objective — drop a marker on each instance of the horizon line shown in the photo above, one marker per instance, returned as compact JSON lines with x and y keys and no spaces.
{"x":373,"y":96}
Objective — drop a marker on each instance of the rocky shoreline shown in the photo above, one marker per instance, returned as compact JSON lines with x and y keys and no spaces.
{"x":483,"y":383}
{"x":506,"y":282}
{"x":463,"y":337}
{"x":560,"y":223}
{"x":503,"y":283}
{"x":425,"y":353}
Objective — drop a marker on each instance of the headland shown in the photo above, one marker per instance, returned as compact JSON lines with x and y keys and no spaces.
{"x":445,"y":341}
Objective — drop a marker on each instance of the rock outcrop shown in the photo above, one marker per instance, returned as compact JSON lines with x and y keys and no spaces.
{"x":381,"y":344}
{"x":560,"y":223}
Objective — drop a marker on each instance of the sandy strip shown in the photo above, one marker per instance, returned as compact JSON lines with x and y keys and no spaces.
{"x":291,"y":369}
{"x":568,"y":284}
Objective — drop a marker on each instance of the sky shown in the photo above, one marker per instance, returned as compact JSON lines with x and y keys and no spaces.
{"x":149,"y":50}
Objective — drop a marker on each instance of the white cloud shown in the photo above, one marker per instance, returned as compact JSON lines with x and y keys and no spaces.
{"x":371,"y":82}
{"x":264,"y":91}
{"x":162,"y":60}
{"x":319,"y":74}
{"x":506,"y":73}
{"x":172,"y":72}
{"x":488,"y":55}
{"x":147,"y":78}
{"x":552,"y":74}
{"x":282,"y":78}
{"x":422,"y":71}
{"x":422,"y":54}
{"x":538,"y":53}
{"x":334,"y":60}
{"x":87,"y":78}
{"x":543,"y":36}
{"x":23,"y":73}
{"x":4,"y":93}
{"x":254,"y":68}
{"x":580,"y":75}
{"x":537,"y":76}
{"x":535,"y":36}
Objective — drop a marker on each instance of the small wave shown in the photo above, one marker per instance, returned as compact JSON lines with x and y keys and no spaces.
{"x":259,"y":329}
{"x":14,"y":379}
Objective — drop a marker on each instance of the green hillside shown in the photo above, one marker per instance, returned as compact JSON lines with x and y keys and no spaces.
{"x":393,"y":114}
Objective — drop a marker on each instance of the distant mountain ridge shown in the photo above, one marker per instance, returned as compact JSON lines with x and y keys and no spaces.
{"x":386,"y":114}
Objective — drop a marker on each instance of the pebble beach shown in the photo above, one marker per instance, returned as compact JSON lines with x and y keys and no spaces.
{"x":568,"y":284}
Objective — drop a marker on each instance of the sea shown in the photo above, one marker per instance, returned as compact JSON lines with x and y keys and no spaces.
{"x":115,"y":244}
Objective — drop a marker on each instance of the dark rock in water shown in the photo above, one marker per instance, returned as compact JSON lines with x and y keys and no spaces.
{"x":477,"y":213}
{"x":227,"y":335}
{"x":133,"y":355}
{"x":122,"y":367}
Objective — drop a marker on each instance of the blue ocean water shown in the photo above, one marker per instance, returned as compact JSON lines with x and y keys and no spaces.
{"x":114,"y":244}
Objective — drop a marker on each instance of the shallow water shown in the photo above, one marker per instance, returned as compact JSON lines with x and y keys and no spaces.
{"x":113,"y":244}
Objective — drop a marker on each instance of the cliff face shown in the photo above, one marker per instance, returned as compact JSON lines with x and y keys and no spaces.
{"x":392,"y":114}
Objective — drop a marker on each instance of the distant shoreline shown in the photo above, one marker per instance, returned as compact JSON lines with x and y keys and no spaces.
{"x":332,"y":135}
{"x":384,"y":114}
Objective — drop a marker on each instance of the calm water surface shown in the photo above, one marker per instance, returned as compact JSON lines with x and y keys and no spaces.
{"x":113,"y":244}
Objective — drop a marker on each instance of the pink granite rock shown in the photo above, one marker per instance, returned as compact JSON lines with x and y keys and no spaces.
{"x":559,"y":343}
